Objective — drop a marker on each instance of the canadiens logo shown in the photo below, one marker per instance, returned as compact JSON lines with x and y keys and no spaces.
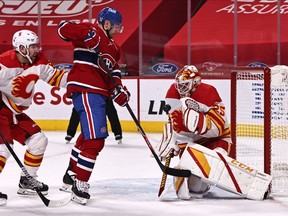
{"x":23,"y":86}
{"x":49,"y":9}
{"x":106,"y":62}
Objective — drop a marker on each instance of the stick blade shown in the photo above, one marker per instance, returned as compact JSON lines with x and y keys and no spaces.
{"x":176,"y":172}
{"x":54,"y":203}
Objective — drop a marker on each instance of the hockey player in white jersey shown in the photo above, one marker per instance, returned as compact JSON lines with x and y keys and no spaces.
{"x":199,"y":133}
{"x":20,"y":69}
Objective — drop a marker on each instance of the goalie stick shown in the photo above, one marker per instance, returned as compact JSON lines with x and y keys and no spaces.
{"x":166,"y":108}
{"x":164,"y":176}
{"x":165,"y":169}
{"x":46,"y":201}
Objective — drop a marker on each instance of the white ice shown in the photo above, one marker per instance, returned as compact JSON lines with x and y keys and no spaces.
{"x":125,"y":182}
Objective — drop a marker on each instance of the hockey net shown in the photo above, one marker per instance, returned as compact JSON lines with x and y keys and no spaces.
{"x":259,"y":121}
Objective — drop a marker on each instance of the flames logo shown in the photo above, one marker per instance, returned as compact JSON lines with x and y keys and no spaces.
{"x":23,"y":86}
{"x":186,"y":74}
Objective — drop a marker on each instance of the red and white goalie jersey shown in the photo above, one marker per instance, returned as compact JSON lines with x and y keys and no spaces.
{"x":17,"y":81}
{"x":215,"y":131}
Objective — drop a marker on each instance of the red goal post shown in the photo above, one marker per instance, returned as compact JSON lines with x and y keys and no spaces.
{"x":259,"y":121}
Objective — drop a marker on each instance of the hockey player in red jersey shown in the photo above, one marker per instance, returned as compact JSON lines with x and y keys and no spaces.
{"x":20,"y":69}
{"x":89,"y":87}
{"x":197,"y":116}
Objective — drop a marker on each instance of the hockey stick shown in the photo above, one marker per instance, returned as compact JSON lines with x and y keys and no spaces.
{"x":47,"y":202}
{"x":164,"y":176}
{"x":165,"y":169}
{"x":166,"y":108}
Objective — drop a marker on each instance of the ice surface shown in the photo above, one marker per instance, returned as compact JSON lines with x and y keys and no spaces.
{"x":125,"y":182}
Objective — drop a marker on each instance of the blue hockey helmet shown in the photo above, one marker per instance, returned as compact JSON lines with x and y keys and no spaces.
{"x":110,"y":14}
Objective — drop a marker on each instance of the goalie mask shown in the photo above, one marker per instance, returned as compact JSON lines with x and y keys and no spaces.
{"x":113,"y":16}
{"x":187,"y":80}
{"x":25,"y":38}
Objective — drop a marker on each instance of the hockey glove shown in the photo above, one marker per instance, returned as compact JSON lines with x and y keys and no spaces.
{"x":178,"y":121}
{"x":121,"y":97}
{"x":92,"y":39}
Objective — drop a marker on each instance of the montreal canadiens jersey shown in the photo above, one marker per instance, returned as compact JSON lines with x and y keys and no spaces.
{"x":17,"y":81}
{"x":87,"y":75}
{"x":209,"y":103}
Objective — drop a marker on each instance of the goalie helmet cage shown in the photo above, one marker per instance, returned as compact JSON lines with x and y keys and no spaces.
{"x":259,"y":121}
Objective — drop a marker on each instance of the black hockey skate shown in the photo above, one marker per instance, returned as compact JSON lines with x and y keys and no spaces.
{"x":68,"y":180}
{"x":68,"y":138}
{"x":80,"y":192}
{"x":28,"y":188}
{"x":3,"y":199}
{"x":118,"y":139}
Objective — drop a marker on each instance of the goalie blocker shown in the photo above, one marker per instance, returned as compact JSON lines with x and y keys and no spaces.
{"x":222,"y":171}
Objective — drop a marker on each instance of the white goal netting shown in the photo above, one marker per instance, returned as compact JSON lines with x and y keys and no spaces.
{"x":251,"y":122}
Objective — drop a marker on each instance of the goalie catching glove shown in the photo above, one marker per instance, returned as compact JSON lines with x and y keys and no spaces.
{"x":121,"y":96}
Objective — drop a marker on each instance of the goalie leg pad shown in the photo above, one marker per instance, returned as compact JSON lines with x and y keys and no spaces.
{"x":197,"y":187}
{"x":192,"y":187}
{"x":181,"y":188}
{"x":225,"y":172}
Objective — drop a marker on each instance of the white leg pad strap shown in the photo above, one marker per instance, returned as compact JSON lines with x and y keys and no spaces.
{"x":225,"y":172}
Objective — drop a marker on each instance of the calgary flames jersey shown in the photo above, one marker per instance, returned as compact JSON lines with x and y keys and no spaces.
{"x":17,"y":81}
{"x":208,"y":102}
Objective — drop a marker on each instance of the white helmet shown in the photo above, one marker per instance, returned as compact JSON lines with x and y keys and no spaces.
{"x":24,"y":38}
{"x":187,"y":80}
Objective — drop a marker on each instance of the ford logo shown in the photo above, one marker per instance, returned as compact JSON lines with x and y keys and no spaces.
{"x":64,"y":66}
{"x":257,"y":64}
{"x":164,"y":68}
